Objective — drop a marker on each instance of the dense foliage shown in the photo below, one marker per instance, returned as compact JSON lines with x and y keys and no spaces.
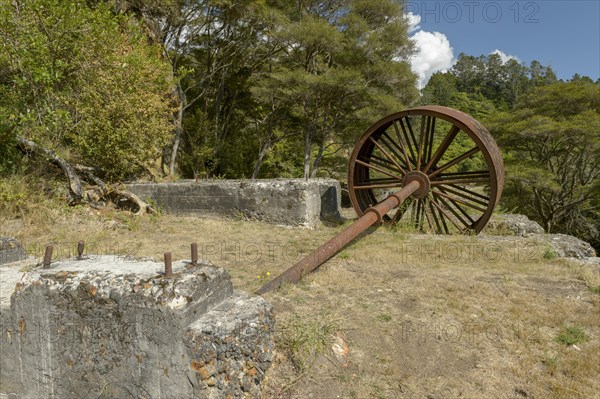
{"x":274,"y":88}
{"x":552,"y":141}
{"x":84,"y":83}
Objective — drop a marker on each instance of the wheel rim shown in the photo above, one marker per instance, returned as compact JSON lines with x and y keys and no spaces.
{"x":451,"y":150}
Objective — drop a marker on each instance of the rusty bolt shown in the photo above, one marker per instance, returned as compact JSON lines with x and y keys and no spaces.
{"x":168,"y":265}
{"x":194,"y":253}
{"x":48,"y":256}
{"x":80,"y":246}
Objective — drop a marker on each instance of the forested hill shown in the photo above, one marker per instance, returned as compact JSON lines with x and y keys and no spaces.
{"x":160,"y":89}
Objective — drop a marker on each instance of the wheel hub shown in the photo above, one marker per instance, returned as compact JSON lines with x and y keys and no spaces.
{"x":423,"y":182}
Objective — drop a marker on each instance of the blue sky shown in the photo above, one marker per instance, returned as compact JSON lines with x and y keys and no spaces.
{"x":562,"y":34}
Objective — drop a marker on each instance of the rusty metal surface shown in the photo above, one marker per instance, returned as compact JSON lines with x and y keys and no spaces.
{"x":168,"y":265}
{"x":416,"y":170}
{"x":482,"y":139}
{"x":194,"y":250}
{"x":331,"y":247}
{"x":80,"y":248}
{"x":47,"y":256}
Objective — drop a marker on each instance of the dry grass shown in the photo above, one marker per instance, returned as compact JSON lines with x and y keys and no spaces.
{"x":423,"y":316}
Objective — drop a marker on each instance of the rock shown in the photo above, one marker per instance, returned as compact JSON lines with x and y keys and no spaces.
{"x":11,"y":250}
{"x":512,"y":224}
{"x":566,"y":246}
{"x":340,"y":350}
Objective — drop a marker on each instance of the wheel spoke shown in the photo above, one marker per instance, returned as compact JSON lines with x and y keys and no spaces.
{"x":441,"y":150}
{"x":406,"y":157}
{"x":427,"y":217}
{"x":387,"y":154}
{"x":460,"y":200}
{"x":465,"y":196}
{"x":430,"y":141}
{"x":483,"y":197}
{"x":384,"y":163}
{"x":411,"y":144}
{"x":393,"y":147}
{"x":437,"y":223}
{"x":381,"y":180}
{"x":422,"y":214}
{"x":374,"y":186}
{"x":462,"y":210}
{"x":421,"y":139}
{"x":444,"y":213}
{"x":466,"y":224}
{"x":460,"y":181}
{"x":370,"y":166}
{"x":456,"y":160}
{"x":464,"y":175}
{"x":402,"y":209}
{"x":417,"y":213}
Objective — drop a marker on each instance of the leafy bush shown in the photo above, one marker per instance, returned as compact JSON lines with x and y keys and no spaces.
{"x":85,"y":83}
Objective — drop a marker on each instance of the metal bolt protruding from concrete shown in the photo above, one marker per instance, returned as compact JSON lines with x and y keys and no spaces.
{"x":168,"y":265}
{"x":194,"y":253}
{"x":48,"y":256}
{"x":80,"y":247}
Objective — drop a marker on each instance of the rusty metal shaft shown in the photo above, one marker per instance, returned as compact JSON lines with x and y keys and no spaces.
{"x":326,"y":251}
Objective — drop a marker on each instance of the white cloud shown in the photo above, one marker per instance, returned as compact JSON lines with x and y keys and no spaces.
{"x":413,"y":22}
{"x":433,"y":54}
{"x":505,"y":57}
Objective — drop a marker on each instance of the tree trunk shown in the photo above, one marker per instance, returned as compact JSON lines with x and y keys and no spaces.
{"x":91,"y":196}
{"x":75,"y":189}
{"x":178,"y":128}
{"x":317,"y":161}
{"x":261,"y":156}
{"x":308,"y":134}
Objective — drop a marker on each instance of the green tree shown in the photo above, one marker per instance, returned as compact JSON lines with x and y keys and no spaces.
{"x":469,"y":71}
{"x":552,"y":141}
{"x":440,"y":89}
{"x":342,"y":64}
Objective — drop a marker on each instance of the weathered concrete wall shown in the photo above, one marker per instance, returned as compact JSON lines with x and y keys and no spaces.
{"x":11,"y":250}
{"x":115,"y":328}
{"x":280,"y":201}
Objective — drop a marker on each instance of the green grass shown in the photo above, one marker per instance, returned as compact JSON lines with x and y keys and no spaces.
{"x":571,"y":335}
{"x":302,"y":339}
{"x":549,"y":254}
{"x":384,"y":317}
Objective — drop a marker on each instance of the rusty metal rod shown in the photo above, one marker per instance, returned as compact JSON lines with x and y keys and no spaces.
{"x":48,"y":256}
{"x":80,"y":248}
{"x":168,"y":265}
{"x":194,"y":248}
{"x":331,"y":247}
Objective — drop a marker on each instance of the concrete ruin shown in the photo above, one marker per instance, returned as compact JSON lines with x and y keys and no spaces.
{"x":280,"y":201}
{"x":11,"y":250}
{"x":112,"y":327}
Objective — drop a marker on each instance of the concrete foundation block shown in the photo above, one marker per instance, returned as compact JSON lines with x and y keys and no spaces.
{"x":279,"y":201}
{"x":113,"y":327}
